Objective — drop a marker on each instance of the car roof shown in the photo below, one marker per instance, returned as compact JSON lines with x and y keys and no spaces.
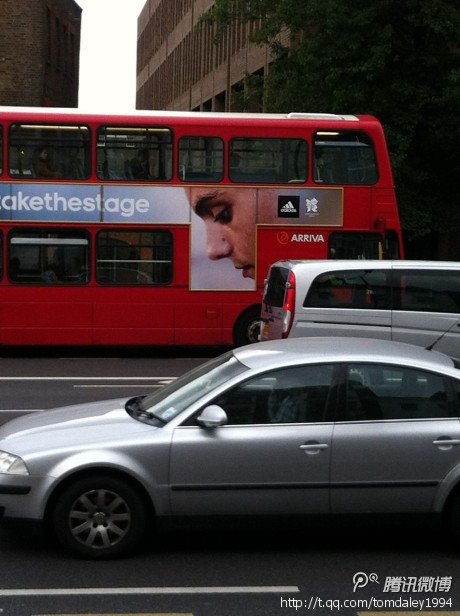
{"x":350,"y":264}
{"x":262,"y":355}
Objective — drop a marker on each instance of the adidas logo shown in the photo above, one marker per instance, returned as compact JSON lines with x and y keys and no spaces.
{"x":288,"y":208}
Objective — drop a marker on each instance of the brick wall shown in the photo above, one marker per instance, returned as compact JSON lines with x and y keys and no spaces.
{"x":39,"y":52}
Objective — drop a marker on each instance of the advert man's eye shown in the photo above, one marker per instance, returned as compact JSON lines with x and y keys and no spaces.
{"x":224,"y":215}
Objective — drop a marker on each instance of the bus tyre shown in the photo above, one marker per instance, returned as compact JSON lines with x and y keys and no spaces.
{"x":247,"y":327}
{"x":99,"y":517}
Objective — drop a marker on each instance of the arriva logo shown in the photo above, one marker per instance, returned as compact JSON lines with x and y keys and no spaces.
{"x":283,"y":237}
{"x":313,"y":238}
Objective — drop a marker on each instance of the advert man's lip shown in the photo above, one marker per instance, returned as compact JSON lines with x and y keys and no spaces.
{"x":247,"y":271}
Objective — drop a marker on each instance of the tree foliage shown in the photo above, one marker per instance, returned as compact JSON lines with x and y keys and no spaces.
{"x":396,"y":59}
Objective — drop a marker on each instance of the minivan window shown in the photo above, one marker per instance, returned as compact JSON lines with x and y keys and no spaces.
{"x":427,"y":291}
{"x":350,"y":289}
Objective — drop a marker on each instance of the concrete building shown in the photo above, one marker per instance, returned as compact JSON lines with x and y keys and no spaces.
{"x":179,"y":67}
{"x":39,"y":52}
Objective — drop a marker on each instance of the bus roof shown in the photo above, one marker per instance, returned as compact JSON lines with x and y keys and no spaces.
{"x":181,"y":115}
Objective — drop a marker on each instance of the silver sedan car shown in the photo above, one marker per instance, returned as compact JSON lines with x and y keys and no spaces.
{"x":283,"y":428}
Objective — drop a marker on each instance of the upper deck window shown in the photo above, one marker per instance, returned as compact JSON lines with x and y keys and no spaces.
{"x":49,"y":152}
{"x":201,"y":159}
{"x":137,"y":154}
{"x":342,"y":158}
{"x":268,"y":161}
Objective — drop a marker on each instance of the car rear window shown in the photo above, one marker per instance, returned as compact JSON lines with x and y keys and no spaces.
{"x":276,"y":285}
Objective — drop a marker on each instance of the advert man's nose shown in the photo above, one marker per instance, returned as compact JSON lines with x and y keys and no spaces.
{"x":217,"y":247}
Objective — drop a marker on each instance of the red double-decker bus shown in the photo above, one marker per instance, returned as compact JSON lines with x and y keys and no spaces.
{"x":158,"y":228}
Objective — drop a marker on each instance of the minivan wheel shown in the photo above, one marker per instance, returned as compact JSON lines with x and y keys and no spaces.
{"x":247,"y":327}
{"x":99,"y":517}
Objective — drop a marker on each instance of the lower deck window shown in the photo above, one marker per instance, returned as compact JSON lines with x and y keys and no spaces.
{"x":48,"y":257}
{"x":134,"y":257}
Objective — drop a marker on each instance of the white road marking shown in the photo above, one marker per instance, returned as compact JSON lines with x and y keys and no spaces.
{"x":172,"y":590}
{"x":121,"y":385}
{"x":165,"y":379}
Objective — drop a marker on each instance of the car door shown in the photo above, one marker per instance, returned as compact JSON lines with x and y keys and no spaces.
{"x":396,"y":437}
{"x":271,"y":457}
{"x":346,"y":303}
{"x":427,"y":308}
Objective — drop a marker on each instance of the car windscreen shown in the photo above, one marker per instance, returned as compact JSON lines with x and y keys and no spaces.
{"x":167,"y":403}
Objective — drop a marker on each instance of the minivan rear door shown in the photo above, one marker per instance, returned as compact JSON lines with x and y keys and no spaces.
{"x":427,"y":308}
{"x":273,"y":314}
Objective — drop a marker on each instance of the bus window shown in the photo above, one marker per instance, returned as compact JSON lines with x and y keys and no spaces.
{"x":48,"y":257}
{"x":268,"y":161}
{"x":49,"y":151}
{"x":201,"y":159}
{"x":134,"y":257}
{"x":344,"y":158}
{"x":134,"y":153}
{"x":353,"y":245}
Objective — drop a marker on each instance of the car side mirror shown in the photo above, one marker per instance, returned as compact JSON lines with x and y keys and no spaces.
{"x":212,"y":416}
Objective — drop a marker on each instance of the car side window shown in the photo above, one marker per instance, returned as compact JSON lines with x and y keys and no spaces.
{"x":427,"y":291}
{"x":385,"y":392}
{"x":456,"y":386}
{"x":295,"y":394}
{"x":364,"y":289}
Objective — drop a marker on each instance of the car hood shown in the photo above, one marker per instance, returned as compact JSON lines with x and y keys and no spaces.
{"x":77,"y":424}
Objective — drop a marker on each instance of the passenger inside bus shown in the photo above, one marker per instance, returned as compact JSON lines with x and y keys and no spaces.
{"x":140,"y":165}
{"x":53,"y":273}
{"x":43,"y":170}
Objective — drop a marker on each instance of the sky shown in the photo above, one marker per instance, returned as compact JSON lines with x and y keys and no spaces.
{"x":108,"y":54}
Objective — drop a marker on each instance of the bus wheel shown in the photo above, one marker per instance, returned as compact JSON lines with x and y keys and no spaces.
{"x":99,"y":517}
{"x":247,"y":327}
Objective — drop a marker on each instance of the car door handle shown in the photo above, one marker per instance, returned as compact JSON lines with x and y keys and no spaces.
{"x":446,"y":442}
{"x":312,"y":447}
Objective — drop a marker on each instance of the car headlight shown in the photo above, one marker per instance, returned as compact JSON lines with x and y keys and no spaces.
{"x":12,"y":465}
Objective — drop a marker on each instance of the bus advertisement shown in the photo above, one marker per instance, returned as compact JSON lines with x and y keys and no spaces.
{"x":159,"y":228}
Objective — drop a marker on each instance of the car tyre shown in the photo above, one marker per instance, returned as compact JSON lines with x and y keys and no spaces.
{"x":453,"y":518}
{"x":99,"y":517}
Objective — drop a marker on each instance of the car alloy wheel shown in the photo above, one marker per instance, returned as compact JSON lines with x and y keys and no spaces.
{"x":99,"y":517}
